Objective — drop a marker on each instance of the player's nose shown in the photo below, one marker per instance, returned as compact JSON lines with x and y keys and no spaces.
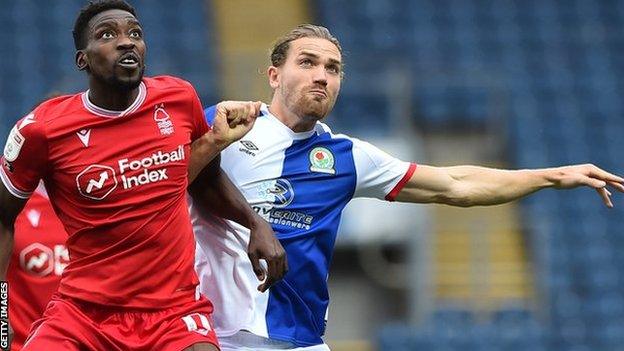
{"x":124,"y":43}
{"x":320,"y":76}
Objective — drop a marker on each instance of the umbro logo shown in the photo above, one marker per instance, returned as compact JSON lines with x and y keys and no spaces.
{"x":248,"y":147}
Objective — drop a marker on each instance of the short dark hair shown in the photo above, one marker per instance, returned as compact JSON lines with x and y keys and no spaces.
{"x":91,"y":10}
{"x":281,"y":46}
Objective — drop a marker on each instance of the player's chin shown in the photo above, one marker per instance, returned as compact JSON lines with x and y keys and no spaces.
{"x":317,"y":112}
{"x":128,"y":82}
{"x":320,"y":108}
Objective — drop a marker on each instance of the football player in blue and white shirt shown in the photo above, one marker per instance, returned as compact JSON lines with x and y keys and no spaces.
{"x":299,"y":176}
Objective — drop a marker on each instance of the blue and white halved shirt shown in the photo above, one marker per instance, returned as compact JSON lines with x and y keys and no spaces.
{"x":300,"y":183}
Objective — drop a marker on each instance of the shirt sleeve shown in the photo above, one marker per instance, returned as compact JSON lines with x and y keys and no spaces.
{"x":25,"y":157}
{"x":210,"y":114}
{"x":201,"y":127}
{"x":379,"y":175}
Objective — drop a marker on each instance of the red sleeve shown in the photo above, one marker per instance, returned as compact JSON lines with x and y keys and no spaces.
{"x":25,"y":157}
{"x":201,"y":127}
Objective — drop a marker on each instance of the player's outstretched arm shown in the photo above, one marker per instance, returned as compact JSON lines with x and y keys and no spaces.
{"x":213,"y":186}
{"x":233,"y":119}
{"x":479,"y":186}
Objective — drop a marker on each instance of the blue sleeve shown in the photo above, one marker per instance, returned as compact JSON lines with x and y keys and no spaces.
{"x":210,"y":113}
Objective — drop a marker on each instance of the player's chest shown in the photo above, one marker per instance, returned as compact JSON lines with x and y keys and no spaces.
{"x":104,"y":157}
{"x":300,"y":180}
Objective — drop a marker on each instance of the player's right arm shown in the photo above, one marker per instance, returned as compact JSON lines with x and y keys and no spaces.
{"x":22,"y":165}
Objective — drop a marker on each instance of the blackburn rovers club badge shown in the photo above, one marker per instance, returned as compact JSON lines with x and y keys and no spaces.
{"x":322,"y":161}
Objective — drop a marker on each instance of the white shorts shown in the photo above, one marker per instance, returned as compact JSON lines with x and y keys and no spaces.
{"x":246,"y":341}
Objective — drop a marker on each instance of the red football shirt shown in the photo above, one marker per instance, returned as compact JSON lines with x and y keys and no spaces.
{"x":117,"y":180}
{"x":39,"y":256}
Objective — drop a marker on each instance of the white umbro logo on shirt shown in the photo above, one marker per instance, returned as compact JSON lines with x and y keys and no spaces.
{"x":84,"y":136}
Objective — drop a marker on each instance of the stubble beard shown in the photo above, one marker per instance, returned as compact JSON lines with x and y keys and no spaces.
{"x":128,"y":84}
{"x":116,"y":82}
{"x":307,"y":107}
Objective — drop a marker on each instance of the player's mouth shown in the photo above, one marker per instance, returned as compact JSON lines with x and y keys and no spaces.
{"x":319,"y":92}
{"x":129,"y":61}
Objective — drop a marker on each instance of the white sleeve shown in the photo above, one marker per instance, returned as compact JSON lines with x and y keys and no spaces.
{"x":379,"y":175}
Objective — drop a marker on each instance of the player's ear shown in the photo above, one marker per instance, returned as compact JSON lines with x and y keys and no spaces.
{"x":274,"y":76}
{"x":81,"y":60}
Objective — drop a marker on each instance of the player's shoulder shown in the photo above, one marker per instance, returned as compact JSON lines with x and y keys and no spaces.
{"x":56,"y":107}
{"x":323,"y":129}
{"x":166,"y":82}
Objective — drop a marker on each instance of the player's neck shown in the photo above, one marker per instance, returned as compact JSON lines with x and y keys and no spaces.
{"x":110,"y":98}
{"x":296,"y":123}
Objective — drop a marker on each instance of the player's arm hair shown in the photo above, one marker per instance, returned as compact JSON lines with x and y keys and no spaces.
{"x":467,"y":186}
{"x":213,"y":192}
{"x":10,"y":207}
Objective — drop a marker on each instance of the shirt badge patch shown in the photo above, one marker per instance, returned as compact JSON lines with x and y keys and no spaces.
{"x":163,"y":120}
{"x":322,"y":161}
{"x":13,"y":145}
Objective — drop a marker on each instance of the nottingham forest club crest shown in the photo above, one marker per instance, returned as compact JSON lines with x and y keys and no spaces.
{"x":322,"y":161}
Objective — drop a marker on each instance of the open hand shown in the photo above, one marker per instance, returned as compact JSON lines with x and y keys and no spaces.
{"x":588,"y":175}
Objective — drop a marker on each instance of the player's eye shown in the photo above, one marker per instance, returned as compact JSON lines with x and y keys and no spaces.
{"x":305,"y":63}
{"x":107,"y":35}
{"x":333,"y":69}
{"x":136,"y":34}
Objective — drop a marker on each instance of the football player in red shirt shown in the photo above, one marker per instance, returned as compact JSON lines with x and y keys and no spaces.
{"x":115,"y":162}
{"x":39,"y":256}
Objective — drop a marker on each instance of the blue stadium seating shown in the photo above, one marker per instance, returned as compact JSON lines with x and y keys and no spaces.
{"x":559,"y":64}
{"x":37,"y":34}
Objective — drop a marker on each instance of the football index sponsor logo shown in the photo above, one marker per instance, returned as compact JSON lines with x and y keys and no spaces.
{"x":96,"y":182}
{"x":148,"y":176}
{"x":4,"y":315}
{"x":39,"y":260}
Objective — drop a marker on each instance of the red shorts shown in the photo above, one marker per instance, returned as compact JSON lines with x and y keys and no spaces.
{"x":69,"y":325}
